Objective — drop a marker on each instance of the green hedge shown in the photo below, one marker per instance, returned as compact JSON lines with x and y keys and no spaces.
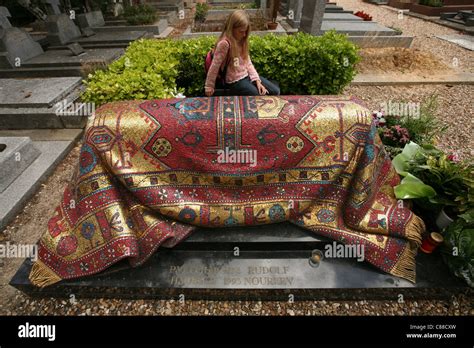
{"x":140,"y":14}
{"x":302,"y":64}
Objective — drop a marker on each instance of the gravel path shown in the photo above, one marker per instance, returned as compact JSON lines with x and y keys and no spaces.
{"x":424,"y":33}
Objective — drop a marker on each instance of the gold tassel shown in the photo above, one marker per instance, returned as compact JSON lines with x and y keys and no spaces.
{"x":41,"y":275}
{"x":406,"y":266}
{"x":415,"y":229}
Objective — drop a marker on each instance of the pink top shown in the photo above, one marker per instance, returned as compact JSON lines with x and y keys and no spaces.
{"x":235,"y":70}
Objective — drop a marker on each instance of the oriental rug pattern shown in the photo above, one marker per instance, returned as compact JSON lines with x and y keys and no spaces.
{"x":150,"y":172}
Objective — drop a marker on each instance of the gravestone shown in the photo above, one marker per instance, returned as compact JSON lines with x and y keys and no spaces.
{"x":312,"y":16}
{"x":16,"y":45}
{"x":61,"y":28}
{"x":90,"y":19}
{"x":295,"y":10}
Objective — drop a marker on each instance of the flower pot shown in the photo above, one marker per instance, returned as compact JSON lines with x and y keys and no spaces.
{"x":443,"y":220}
{"x":272,"y":25}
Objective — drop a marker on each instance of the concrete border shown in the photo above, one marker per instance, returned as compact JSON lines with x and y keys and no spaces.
{"x":189,"y":35}
{"x":13,"y":199}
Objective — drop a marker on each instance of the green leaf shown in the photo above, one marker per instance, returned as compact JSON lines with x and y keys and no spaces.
{"x":411,"y":187}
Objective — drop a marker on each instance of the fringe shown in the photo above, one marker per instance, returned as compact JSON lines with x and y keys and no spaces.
{"x":41,"y":275}
{"x":406,"y":266}
{"x":415,"y":229}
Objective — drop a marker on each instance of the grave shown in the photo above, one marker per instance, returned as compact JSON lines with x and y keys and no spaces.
{"x":16,"y":45}
{"x":95,"y":21}
{"x":462,"y":17}
{"x":273,"y":262}
{"x":362,"y":28}
{"x":295,"y":9}
{"x":21,"y":56}
{"x":465,"y":41}
{"x":40,"y":103}
{"x":341,"y":17}
{"x":362,"y":33}
{"x":447,"y":6}
{"x":36,"y":154}
{"x":331,"y":8}
{"x":62,"y":31}
{"x":312,"y":16}
{"x":167,"y":5}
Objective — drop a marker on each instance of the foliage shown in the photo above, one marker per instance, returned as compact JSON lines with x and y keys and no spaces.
{"x":459,"y":236}
{"x":201,"y":12}
{"x":431,"y":174}
{"x":305,"y":64}
{"x":397,"y":131}
{"x":140,"y":14}
{"x":302,"y":64}
{"x":148,"y":70}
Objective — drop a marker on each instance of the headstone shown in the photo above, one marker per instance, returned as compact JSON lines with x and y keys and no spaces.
{"x":52,"y":7}
{"x":295,"y":10}
{"x":61,"y":28}
{"x":312,"y":16}
{"x":19,"y":153}
{"x":76,"y":49}
{"x":4,"y":22}
{"x":16,"y":45}
{"x":90,"y":19}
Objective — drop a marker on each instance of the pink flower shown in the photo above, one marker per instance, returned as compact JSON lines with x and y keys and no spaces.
{"x":453,"y":157}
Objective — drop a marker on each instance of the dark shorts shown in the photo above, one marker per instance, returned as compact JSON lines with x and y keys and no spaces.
{"x":246,"y":87}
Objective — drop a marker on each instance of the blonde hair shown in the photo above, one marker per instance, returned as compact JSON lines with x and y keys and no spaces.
{"x":237,"y":19}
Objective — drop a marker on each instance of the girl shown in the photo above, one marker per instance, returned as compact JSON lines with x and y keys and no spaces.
{"x":232,"y":49}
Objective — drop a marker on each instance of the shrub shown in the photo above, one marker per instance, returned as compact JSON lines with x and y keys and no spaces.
{"x":148,"y":70}
{"x":140,"y":14}
{"x":306,"y":64}
{"x":301,"y":63}
{"x":201,"y":12}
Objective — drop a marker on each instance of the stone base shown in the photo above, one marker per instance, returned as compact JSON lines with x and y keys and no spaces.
{"x":60,"y":63}
{"x":273,"y":262}
{"x":33,"y":103}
